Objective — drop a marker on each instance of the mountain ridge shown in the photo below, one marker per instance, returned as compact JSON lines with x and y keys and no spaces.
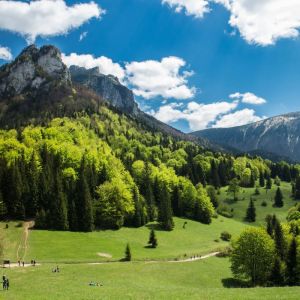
{"x":279,"y":135}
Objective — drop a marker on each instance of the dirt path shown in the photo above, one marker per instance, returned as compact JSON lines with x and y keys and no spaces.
{"x":23,"y":245}
{"x":167,"y":261}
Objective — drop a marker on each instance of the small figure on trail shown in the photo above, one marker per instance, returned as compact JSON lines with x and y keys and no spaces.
{"x":7,"y":284}
{"x":4,"y":282}
{"x":34,"y":263}
{"x":184,"y":224}
{"x":23,"y":263}
{"x":57,"y":269}
{"x":19,"y":262}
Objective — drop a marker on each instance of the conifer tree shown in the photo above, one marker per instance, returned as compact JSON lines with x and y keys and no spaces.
{"x":277,"y":277}
{"x":278,"y":201}
{"x":152,"y":239}
{"x":292,"y":264}
{"x":84,"y":201}
{"x":261,"y":179}
{"x":279,"y":241}
{"x":268,"y":183}
{"x":297,"y":188}
{"x":215,"y":179}
{"x":251,"y":212}
{"x":269,"y":225}
{"x":165,"y":211}
{"x":252,"y":180}
{"x":128,"y":255}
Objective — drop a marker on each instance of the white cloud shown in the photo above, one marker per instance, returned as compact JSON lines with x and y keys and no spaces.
{"x":238,"y":118}
{"x":106,"y":65}
{"x":248,"y":98}
{"x":5,"y":53}
{"x":260,"y":22}
{"x":198,"y":115}
{"x":263,"y":22}
{"x":45,"y":17}
{"x":196,"y":8}
{"x":83,"y":35}
{"x":163,"y":78}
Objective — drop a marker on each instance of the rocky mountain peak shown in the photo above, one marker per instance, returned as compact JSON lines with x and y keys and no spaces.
{"x":107,"y":86}
{"x":33,"y":69}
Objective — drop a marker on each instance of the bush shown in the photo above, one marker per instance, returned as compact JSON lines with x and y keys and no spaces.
{"x":225,"y":236}
{"x":225,"y":211}
{"x":225,"y":252}
{"x":264,"y":203}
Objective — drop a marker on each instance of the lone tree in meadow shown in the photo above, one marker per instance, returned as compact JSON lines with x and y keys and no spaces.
{"x":152,"y":239}
{"x":253,"y":255}
{"x":234,"y":188}
{"x":251,"y":212}
{"x":127,"y":253}
{"x":278,"y":201}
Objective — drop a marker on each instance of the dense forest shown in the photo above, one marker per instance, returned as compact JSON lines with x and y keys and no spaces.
{"x":107,"y":170}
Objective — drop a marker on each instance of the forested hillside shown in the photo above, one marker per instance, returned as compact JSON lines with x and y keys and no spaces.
{"x":73,"y":162}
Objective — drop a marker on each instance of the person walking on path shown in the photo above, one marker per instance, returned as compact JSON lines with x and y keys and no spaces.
{"x":7,"y":284}
{"x":4,"y":282}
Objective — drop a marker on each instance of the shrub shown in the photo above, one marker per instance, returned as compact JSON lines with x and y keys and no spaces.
{"x":225,"y":211}
{"x":226,"y":236}
{"x":225,"y":252}
{"x":264,"y":203}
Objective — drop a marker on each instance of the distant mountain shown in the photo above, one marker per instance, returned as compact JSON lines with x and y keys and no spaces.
{"x":274,"y":137}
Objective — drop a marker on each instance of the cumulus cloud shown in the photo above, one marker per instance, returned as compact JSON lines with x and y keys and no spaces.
{"x":238,"y":118}
{"x":163,"y":78}
{"x":260,"y":22}
{"x":198,"y":115}
{"x":5,"y":53}
{"x":45,"y":17}
{"x":106,"y":65}
{"x":196,"y":8}
{"x":248,"y":98}
{"x":148,"y":79}
{"x":264,"y":22}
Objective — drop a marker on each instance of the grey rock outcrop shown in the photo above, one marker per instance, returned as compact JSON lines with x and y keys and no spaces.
{"x":33,"y":69}
{"x":108,"y":87}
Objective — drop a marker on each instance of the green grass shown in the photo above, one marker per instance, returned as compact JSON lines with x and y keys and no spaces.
{"x":138,"y":280}
{"x":241,"y":205}
{"x":52,"y":246}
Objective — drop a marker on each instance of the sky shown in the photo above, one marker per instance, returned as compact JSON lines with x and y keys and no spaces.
{"x":193,"y":64}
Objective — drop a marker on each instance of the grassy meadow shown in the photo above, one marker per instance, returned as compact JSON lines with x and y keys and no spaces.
{"x":149,"y":275}
{"x":240,"y":206}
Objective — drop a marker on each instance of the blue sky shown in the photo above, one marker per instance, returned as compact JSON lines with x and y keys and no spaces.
{"x":206,"y":58}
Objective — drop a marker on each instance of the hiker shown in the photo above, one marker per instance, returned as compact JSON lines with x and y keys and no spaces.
{"x":19,"y":262}
{"x":34,"y":263}
{"x":4,"y":282}
{"x":23,"y":263}
{"x":7,"y":284}
{"x":57,"y":269}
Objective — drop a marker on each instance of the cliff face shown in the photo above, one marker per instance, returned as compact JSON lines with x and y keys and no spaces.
{"x":108,"y":87}
{"x":32,"y":70}
{"x":279,"y":135}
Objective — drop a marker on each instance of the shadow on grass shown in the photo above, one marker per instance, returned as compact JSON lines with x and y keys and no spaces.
{"x":234,"y":283}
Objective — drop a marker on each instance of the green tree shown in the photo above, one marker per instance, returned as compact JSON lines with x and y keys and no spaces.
{"x":268,"y":183}
{"x":279,"y":239}
{"x":252,"y":256}
{"x":251,"y":212}
{"x":152,"y":239}
{"x":278,"y":201}
{"x":165,"y":216}
{"x":277,"y":277}
{"x":212,"y":194}
{"x":128,"y":255}
{"x":261,"y":179}
{"x":297,"y":188}
{"x":292,"y":264}
{"x":234,"y":188}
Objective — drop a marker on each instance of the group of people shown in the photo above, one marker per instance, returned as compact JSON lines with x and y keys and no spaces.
{"x":55,"y":270}
{"x":5,"y":282}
